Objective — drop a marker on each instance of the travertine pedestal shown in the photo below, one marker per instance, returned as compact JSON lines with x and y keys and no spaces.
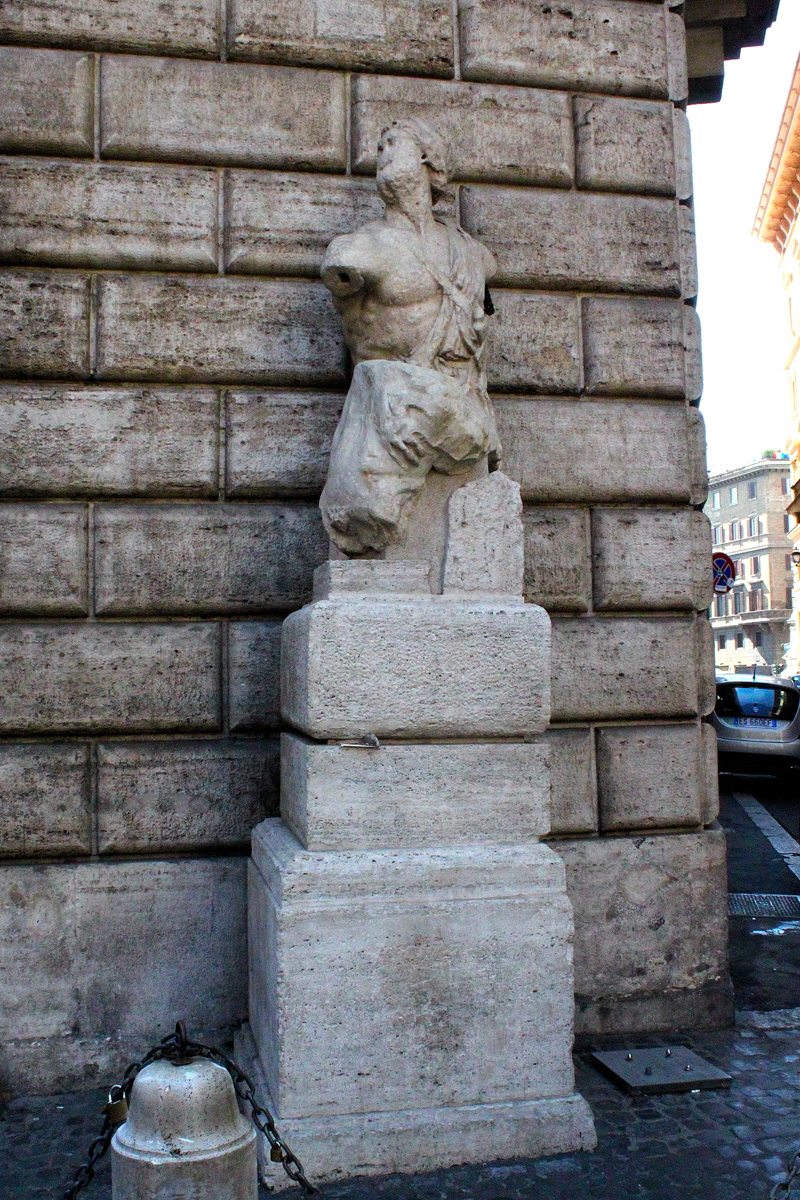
{"x":411,"y":993}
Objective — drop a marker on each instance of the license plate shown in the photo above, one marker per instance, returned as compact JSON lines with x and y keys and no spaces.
{"x":755,"y":722}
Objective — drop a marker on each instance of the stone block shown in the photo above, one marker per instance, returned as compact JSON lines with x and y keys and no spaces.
{"x":581,"y":241}
{"x":651,"y":558}
{"x":44,"y":318}
{"x":651,"y":932}
{"x":693,"y":361}
{"x":649,"y":776}
{"x":205,"y":558}
{"x":704,"y":657}
{"x":75,"y":677}
{"x":677,"y":66}
{"x":688,"y":252}
{"x":185,"y":795}
{"x":46,"y":101}
{"x":498,"y":134}
{"x":710,"y":773}
{"x":57,"y":440}
{"x":633,"y":347}
{"x":533,"y":343}
{"x":43,"y":560}
{"x":254,"y":675}
{"x":146,"y":26}
{"x":482,"y":932}
{"x":412,"y":37}
{"x":416,"y":668}
{"x":182,"y":329}
{"x":596,"y":450}
{"x":622,"y":667}
{"x":279,"y":443}
{"x":485,"y":549}
{"x":106,"y":215}
{"x":340,"y":798}
{"x":682,"y":141}
{"x":370,"y":577}
{"x":281,"y":224}
{"x":90,"y":973}
{"x":698,"y":458}
{"x":44,"y":800}
{"x":624,"y":145}
{"x":573,"y":790}
{"x":178,"y":110}
{"x":557,"y":562}
{"x":616,"y":46}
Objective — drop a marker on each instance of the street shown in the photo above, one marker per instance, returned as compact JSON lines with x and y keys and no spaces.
{"x":717,"y":1145}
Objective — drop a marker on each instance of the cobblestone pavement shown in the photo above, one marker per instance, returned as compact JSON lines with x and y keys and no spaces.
{"x":718,"y":1145}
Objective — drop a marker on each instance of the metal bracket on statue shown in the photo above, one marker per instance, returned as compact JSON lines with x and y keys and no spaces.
{"x":368,"y":742}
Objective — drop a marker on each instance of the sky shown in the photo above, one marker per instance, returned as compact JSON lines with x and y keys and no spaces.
{"x":741,"y":304}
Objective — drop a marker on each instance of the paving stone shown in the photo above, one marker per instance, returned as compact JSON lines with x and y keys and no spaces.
{"x":196,"y":559}
{"x":278,"y":443}
{"x":72,"y":677}
{"x":44,"y":319}
{"x":182,"y":328}
{"x":149,"y":26}
{"x":175,"y":109}
{"x":182,"y":796}
{"x":45,"y":799}
{"x":107,"y":215}
{"x":498,"y":134}
{"x":281,"y":224}
{"x":617,"y":47}
{"x":412,"y":37}
{"x":46,"y":100}
{"x":549,"y":239}
{"x":43,"y":560}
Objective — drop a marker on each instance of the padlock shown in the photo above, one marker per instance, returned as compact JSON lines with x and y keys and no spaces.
{"x":117,"y":1108}
{"x":275,"y":1154}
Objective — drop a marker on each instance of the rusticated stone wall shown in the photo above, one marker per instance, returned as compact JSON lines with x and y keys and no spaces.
{"x":171,"y":174}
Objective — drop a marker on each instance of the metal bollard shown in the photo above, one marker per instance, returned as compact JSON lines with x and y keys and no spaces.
{"x":184,"y":1138}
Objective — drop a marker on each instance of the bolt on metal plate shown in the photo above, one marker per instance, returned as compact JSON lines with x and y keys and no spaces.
{"x":659,"y":1069}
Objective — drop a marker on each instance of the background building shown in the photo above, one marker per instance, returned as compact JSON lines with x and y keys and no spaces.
{"x":776,"y":222}
{"x":746,"y":508}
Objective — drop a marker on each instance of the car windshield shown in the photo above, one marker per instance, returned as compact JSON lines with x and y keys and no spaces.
{"x":756,"y":700}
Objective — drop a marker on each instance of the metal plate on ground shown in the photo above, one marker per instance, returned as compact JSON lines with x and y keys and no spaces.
{"x":659,"y":1069}
{"x":753,"y":904}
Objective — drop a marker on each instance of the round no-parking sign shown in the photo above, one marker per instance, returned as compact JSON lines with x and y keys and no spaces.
{"x":724,"y":573}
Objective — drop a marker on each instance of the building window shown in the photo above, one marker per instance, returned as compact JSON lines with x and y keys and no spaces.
{"x":788,"y":597}
{"x":715,"y":500}
{"x":788,"y":562}
{"x":733,"y":495}
{"x":752,"y":526}
{"x":738,"y":602}
{"x":751,"y":490}
{"x":721,"y":641}
{"x":755,"y":601}
{"x":757,"y":640}
{"x":785,"y":485}
{"x":739,"y":565}
{"x":734,"y":531}
{"x":717,"y":535}
{"x":719,"y":606}
{"x":787,"y":522}
{"x":755,"y":565}
{"x":740,"y":641}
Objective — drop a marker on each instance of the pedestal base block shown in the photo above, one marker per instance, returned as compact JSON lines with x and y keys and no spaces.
{"x":420,"y":1139}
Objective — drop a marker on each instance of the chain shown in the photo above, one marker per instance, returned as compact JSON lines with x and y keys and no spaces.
{"x":179,"y":1049}
{"x":782,"y":1190}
